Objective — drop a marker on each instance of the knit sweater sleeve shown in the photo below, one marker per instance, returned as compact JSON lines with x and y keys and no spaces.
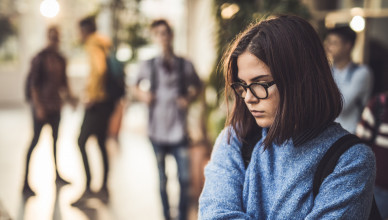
{"x":348,"y":190}
{"x":221,"y":197}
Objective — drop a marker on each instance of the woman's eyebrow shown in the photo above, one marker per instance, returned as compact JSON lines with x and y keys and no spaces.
{"x":259,"y":77}
{"x":255,"y":78}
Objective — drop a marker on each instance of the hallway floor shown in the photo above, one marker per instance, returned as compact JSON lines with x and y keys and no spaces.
{"x":133,"y":181}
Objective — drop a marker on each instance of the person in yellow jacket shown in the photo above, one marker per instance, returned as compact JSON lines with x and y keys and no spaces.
{"x":98,"y":108}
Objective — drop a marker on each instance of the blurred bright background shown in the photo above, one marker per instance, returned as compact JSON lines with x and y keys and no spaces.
{"x":202,"y":28}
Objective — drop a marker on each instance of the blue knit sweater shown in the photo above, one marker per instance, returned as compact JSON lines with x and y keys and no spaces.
{"x":278,"y":181}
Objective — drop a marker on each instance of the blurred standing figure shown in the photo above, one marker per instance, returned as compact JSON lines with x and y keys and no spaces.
{"x":46,"y":90}
{"x":354,"y":81}
{"x":174,"y":84}
{"x":373,"y":130}
{"x":98,"y":107}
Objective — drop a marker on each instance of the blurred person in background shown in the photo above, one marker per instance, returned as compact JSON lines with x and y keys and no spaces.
{"x":46,"y":90}
{"x":355,"y":81}
{"x":98,"y":107}
{"x":373,"y":130}
{"x":172,"y":85}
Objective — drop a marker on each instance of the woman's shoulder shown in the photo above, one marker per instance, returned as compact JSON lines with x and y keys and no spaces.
{"x":360,"y":152}
{"x":227,"y":137}
{"x":226,"y":153}
{"x":359,"y":155}
{"x":329,"y":134}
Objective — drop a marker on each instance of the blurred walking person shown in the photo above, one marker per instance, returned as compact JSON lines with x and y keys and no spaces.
{"x":174,"y":84}
{"x":98,"y":108}
{"x":46,"y":90}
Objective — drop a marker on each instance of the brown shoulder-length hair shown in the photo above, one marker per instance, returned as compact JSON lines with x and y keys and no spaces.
{"x":309,"y":96}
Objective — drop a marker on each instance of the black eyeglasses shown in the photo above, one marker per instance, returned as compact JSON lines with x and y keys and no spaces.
{"x":259,"y":90}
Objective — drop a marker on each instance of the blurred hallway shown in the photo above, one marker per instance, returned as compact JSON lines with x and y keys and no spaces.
{"x":133,"y":181}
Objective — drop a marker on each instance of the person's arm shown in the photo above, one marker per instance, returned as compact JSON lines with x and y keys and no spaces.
{"x":96,"y":78}
{"x":143,"y":95}
{"x":193,"y":83}
{"x":142,"y":88}
{"x":65,"y":91}
{"x":36,"y":80}
{"x":347,"y":192}
{"x":222,"y":195}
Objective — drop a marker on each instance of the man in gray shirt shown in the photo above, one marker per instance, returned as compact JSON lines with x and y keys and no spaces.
{"x":354,"y":81}
{"x":172,"y":84}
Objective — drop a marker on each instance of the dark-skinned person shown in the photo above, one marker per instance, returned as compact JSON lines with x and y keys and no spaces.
{"x":47,"y":90}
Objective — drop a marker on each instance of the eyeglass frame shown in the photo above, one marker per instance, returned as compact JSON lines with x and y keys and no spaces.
{"x":265,"y":85}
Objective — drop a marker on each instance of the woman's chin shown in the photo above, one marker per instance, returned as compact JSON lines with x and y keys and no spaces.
{"x":263,"y":122}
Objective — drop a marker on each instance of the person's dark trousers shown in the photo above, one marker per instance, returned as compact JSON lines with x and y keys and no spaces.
{"x":180,"y":152}
{"x":53,"y":120}
{"x":96,"y":123}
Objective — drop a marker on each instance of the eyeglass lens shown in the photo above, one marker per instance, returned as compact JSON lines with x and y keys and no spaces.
{"x":257,"y":89}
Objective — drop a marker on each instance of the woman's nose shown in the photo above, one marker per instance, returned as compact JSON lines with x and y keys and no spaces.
{"x":250,"y":98}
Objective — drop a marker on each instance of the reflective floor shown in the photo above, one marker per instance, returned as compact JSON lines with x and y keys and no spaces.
{"x":133,"y":182}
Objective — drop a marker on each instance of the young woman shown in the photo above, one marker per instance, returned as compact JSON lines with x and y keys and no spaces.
{"x":284,"y":97}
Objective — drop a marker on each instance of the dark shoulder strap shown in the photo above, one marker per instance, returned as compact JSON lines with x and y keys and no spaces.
{"x":153,"y":76}
{"x":329,"y":161}
{"x":182,"y":77}
{"x":353,"y":67}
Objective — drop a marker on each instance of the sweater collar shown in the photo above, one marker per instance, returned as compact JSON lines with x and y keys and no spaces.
{"x":307,"y":135}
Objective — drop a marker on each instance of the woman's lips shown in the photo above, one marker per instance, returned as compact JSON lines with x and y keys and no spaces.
{"x":257,"y":113}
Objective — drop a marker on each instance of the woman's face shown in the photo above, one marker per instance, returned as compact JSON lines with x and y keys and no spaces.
{"x":251,"y":69}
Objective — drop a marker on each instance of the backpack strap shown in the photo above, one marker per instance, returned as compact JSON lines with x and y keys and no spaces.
{"x":329,"y":161}
{"x":182,"y":77}
{"x":349,"y":75}
{"x":153,"y":78}
{"x":353,"y":67}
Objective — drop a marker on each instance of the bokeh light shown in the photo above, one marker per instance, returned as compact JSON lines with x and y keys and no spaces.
{"x":229,"y":10}
{"x":49,"y":8}
{"x":357,"y":23}
{"x":124,"y":53}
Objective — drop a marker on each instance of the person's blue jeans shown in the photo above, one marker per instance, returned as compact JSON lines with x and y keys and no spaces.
{"x":181,"y":154}
{"x":381,"y":197}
